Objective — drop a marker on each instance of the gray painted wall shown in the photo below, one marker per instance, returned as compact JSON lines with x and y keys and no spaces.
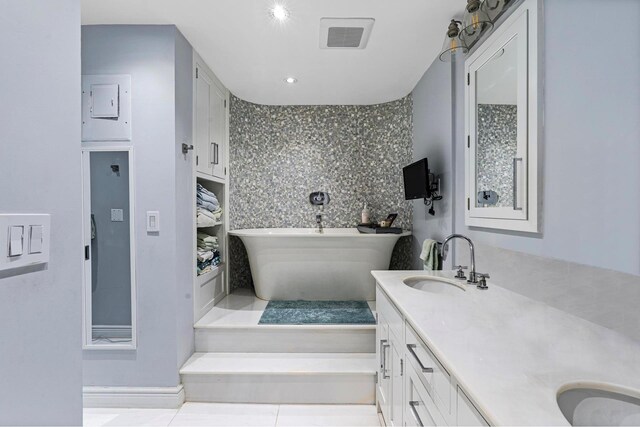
{"x":432,"y":135}
{"x":185,"y":239}
{"x":280,"y":154}
{"x":110,"y":249}
{"x":40,"y":309}
{"x":591,"y":148}
{"x":149,"y":54}
{"x":587,"y":258}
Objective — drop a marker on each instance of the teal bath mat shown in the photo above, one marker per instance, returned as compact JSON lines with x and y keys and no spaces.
{"x":317,"y":313}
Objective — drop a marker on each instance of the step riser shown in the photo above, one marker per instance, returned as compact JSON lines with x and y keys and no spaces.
{"x":252,"y":340}
{"x":280,"y":389}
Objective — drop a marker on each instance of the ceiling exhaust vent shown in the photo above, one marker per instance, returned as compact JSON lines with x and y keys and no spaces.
{"x":345,"y":33}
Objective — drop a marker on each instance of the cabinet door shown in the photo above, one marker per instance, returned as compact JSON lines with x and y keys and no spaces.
{"x":218,"y":131}
{"x":203,"y":114}
{"x":397,"y":375}
{"x":384,"y":377}
{"x":419,"y":407}
{"x":467,"y":414}
{"x":502,"y":126}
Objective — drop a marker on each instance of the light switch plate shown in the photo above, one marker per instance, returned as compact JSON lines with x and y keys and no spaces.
{"x":28,"y":240}
{"x":117,"y":215}
{"x":153,"y":221}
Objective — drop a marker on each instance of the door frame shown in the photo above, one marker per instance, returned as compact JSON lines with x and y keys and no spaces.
{"x":87,"y":326}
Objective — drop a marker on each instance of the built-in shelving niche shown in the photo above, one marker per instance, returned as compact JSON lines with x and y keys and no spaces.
{"x":210,"y":287}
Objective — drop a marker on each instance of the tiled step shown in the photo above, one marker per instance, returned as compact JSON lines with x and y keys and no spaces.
{"x":233,"y":326}
{"x":280,"y":378}
{"x":287,"y":339}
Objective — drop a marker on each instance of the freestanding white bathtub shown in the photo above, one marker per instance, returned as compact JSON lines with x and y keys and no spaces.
{"x":300,"y":263}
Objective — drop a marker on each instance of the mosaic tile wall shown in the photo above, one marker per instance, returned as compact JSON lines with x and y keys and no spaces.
{"x":280,"y":154}
{"x":497,"y":146}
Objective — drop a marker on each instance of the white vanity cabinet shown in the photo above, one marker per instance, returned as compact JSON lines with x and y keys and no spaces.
{"x":383,"y":388}
{"x":210,"y":99}
{"x":467,"y":414}
{"x":414,"y":388}
{"x":391,"y":368}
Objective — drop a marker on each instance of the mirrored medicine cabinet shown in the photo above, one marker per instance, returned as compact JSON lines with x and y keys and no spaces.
{"x":502,"y":117}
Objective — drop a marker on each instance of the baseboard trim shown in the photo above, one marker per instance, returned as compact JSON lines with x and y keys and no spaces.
{"x":133,"y":397}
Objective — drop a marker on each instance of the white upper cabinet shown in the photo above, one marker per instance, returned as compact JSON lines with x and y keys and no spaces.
{"x":502,"y":116}
{"x":210,"y":122}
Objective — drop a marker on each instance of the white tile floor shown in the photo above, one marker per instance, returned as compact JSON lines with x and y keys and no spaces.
{"x":225,"y":414}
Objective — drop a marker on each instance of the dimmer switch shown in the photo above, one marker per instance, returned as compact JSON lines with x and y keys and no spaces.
{"x":16,"y":236}
{"x":35,"y":239}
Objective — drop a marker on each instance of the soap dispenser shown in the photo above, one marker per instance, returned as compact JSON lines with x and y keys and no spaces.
{"x":365,"y":214}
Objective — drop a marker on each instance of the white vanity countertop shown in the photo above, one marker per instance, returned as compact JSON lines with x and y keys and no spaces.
{"x":512,"y":354}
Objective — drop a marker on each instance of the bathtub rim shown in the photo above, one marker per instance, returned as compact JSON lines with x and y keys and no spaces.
{"x":311,"y":233}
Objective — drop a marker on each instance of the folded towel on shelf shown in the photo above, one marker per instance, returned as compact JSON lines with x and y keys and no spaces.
{"x":430,"y":255}
{"x":207,"y":265}
{"x":206,"y":205}
{"x":206,"y":242}
{"x":207,"y":237}
{"x":204,"y":255}
{"x":201,"y":190}
{"x":211,"y":198}
{"x":215,"y":215}
{"x":205,"y":218}
{"x":206,"y":196}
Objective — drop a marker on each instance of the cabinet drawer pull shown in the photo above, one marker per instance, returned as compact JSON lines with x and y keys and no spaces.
{"x":212,"y":154}
{"x":411,"y":347}
{"x":383,"y":357}
{"x":412,"y":405}
{"x":515,"y":183}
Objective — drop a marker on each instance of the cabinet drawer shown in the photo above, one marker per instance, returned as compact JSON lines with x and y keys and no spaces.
{"x":467,"y":414}
{"x":208,"y":288}
{"x":390,"y":313}
{"x":419,"y":407}
{"x":437,"y":380}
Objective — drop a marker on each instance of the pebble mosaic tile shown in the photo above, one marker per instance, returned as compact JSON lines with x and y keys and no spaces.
{"x":280,"y":154}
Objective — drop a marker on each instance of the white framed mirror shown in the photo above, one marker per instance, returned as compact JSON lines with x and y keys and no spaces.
{"x":502,"y":117}
{"x":109,"y":293}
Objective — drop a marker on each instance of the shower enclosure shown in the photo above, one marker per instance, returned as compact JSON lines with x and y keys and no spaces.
{"x":109,"y":273}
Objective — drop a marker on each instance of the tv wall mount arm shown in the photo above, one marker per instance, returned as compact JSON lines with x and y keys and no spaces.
{"x":433,"y":184}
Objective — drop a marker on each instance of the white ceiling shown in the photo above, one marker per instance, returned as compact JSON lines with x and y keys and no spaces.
{"x":252,"y":54}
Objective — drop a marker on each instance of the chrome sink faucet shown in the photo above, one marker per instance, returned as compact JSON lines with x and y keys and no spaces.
{"x":473,"y":276}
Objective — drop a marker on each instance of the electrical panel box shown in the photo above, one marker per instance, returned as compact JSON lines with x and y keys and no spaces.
{"x":106,"y":107}
{"x":105,"y":101}
{"x":24,"y":240}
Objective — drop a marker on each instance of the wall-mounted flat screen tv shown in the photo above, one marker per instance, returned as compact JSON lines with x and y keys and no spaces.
{"x":416,"y":180}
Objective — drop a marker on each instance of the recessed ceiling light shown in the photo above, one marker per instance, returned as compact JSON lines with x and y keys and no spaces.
{"x":291,"y":80}
{"x":279,"y":12}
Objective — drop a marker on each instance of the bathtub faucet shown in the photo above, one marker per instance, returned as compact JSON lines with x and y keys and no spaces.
{"x":319,"y":199}
{"x":319,"y":222}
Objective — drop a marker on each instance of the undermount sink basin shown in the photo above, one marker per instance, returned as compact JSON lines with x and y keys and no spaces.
{"x":434,"y":285}
{"x":583,"y":406}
